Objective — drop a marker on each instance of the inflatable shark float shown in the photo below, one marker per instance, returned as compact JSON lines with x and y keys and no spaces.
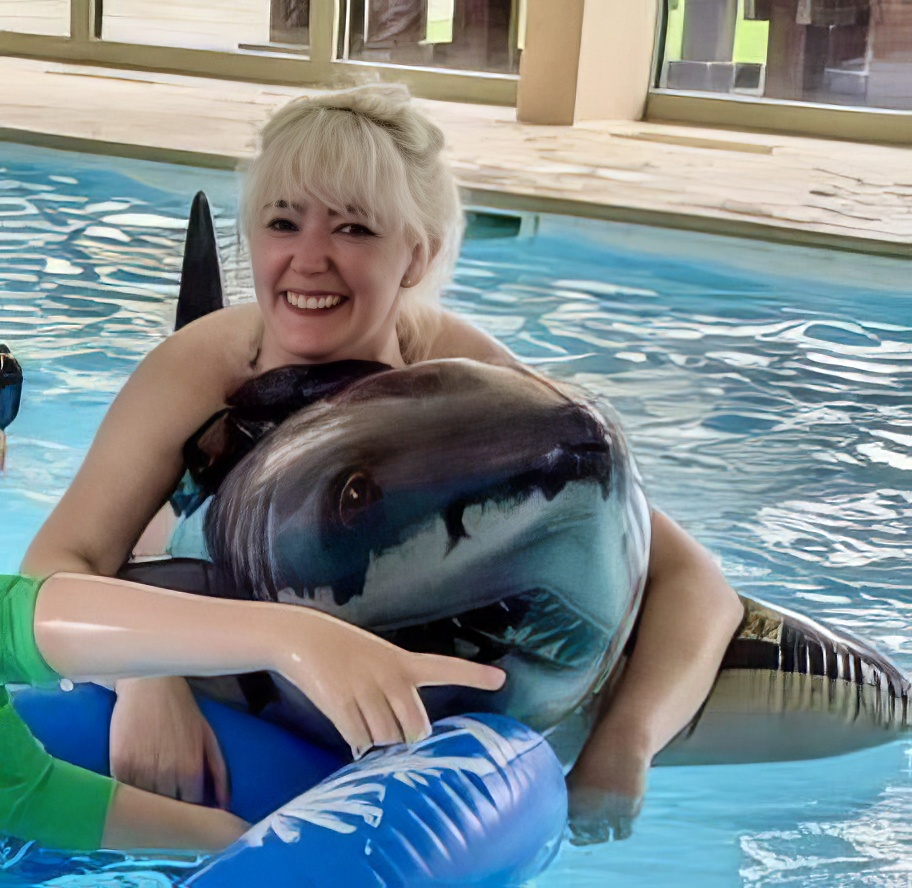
{"x":482,"y":511}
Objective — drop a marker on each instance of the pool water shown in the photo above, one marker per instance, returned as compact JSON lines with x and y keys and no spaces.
{"x":767,"y":391}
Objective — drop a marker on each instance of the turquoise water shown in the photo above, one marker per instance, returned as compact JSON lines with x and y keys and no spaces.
{"x":767,"y":391}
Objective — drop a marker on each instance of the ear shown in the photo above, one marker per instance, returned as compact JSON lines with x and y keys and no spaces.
{"x":416,"y":268}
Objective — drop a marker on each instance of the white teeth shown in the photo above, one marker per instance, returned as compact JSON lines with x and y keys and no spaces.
{"x":311,"y":302}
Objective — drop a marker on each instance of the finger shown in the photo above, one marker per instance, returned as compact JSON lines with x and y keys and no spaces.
{"x":589,"y":833}
{"x":164,"y":783}
{"x":215,"y":762}
{"x":410,"y":713}
{"x":434,"y":669}
{"x":121,"y":770}
{"x":623,"y":828}
{"x":380,"y":719}
{"x":190,"y":781}
{"x":349,"y":722}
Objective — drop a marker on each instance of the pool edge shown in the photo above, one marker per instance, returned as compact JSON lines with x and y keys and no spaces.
{"x":520,"y":201}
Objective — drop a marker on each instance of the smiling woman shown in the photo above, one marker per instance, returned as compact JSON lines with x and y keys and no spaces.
{"x":350,"y":200}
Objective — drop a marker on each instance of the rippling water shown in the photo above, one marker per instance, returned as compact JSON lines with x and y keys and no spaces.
{"x":767,"y":390}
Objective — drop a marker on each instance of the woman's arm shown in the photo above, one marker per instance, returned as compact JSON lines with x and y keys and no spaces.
{"x":159,"y":739}
{"x":136,"y":458}
{"x":137,"y":819}
{"x":690,"y":614}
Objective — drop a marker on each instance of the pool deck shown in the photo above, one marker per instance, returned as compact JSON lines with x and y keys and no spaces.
{"x":819,"y":192}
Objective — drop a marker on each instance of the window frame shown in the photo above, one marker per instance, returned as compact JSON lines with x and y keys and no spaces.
{"x":320,"y":69}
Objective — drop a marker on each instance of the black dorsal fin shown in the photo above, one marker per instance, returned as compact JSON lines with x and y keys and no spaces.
{"x":201,"y":273}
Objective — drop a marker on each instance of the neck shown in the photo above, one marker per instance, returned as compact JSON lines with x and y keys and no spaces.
{"x":269,"y":356}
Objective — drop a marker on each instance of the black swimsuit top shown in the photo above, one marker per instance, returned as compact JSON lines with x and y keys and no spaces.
{"x":253,"y":411}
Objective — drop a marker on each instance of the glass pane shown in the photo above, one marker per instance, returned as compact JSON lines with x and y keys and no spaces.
{"x":50,"y":18}
{"x":289,"y":22}
{"x":204,"y":24}
{"x":840,"y":52}
{"x":474,"y":35}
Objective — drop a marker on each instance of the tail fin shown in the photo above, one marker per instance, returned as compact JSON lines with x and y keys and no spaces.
{"x":201,"y":274}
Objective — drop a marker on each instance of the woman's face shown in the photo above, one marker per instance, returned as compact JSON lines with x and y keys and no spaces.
{"x":328,"y":283}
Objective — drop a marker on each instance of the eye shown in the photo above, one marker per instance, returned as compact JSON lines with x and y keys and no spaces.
{"x":358,"y":494}
{"x":356,"y":229}
{"x":280,"y":223}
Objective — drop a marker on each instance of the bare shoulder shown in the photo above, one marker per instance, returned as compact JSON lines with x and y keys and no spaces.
{"x":457,"y":338}
{"x":185,"y":379}
{"x":212,"y":356}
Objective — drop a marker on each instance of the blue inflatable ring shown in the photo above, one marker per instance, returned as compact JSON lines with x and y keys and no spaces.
{"x":482,"y":802}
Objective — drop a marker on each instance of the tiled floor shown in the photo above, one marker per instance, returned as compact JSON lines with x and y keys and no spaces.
{"x":824,"y":192}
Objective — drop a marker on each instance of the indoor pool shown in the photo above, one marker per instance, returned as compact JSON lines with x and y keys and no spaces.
{"x":767,"y":391}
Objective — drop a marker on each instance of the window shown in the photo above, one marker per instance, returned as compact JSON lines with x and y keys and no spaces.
{"x":47,"y":17}
{"x":832,"y":52}
{"x":473,"y":35}
{"x":190,"y":25}
{"x":464,"y":50}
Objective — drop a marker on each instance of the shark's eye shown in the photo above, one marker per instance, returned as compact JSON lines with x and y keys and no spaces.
{"x":359,"y":492}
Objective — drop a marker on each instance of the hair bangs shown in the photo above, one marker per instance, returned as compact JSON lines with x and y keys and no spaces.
{"x":339,"y":159}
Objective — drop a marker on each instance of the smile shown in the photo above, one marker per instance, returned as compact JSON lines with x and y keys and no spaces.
{"x":299,"y":300}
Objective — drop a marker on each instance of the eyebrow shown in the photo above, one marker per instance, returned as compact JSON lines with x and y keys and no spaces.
{"x":350,"y":209}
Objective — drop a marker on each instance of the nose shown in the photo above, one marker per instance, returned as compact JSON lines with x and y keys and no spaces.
{"x":311,"y":250}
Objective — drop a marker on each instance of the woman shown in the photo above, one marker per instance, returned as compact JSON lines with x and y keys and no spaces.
{"x":353,"y":223}
{"x":94,"y":628}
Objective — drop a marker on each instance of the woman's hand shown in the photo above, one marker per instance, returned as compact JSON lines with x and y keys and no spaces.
{"x":367,"y":687}
{"x":160,"y":741}
{"x":606,"y":793}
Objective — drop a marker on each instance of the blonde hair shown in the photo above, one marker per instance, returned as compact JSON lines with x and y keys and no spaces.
{"x":369,"y":148}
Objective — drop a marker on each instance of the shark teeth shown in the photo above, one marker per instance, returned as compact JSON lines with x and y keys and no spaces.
{"x":299,"y":300}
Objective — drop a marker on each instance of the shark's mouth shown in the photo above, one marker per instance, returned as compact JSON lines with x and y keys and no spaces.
{"x":562,"y":466}
{"x":534,"y":624}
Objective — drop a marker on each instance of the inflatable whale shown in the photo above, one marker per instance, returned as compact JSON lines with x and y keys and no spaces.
{"x":456,"y":506}
{"x":449,"y":506}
